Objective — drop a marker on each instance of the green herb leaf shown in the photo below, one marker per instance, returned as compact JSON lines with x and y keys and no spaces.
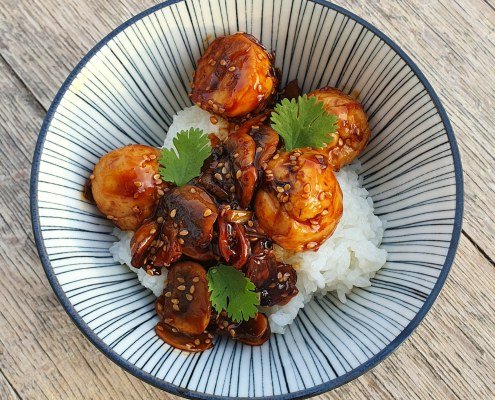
{"x":179,"y":166}
{"x":303,"y":123}
{"x":233,"y":292}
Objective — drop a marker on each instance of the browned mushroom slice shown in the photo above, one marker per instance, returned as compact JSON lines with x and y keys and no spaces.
{"x":185,"y":302}
{"x":254,"y":332}
{"x":192,"y":343}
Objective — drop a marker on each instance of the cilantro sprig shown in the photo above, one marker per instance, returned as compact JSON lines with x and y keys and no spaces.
{"x":303,"y":123}
{"x":179,"y":166}
{"x":231,"y":291}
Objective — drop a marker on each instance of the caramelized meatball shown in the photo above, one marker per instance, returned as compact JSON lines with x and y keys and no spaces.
{"x":126,"y":186}
{"x":353,"y":131}
{"x":185,"y":302}
{"x":235,"y":77}
{"x":300,"y":203}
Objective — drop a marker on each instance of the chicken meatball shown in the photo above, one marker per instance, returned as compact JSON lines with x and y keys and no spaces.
{"x":353,"y":131}
{"x":300,"y":202}
{"x":235,"y":77}
{"x":126,"y":185}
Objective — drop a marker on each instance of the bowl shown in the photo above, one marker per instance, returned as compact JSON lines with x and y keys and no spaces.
{"x":127,"y":89}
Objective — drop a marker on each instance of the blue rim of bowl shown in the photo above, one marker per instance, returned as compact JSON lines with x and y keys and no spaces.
{"x":168,"y":387}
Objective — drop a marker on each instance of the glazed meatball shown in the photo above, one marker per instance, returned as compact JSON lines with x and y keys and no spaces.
{"x":300,"y":202}
{"x":235,"y":77}
{"x":126,"y":185}
{"x":353,"y":131}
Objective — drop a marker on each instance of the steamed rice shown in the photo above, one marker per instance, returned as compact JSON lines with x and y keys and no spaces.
{"x":350,"y":257}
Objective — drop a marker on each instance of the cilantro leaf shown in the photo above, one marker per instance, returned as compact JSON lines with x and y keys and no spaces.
{"x":231,"y":291}
{"x":180,"y":165}
{"x":303,"y":123}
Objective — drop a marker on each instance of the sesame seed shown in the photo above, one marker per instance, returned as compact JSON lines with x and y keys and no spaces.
{"x":232,"y":189}
{"x":215,"y":107}
{"x":174,"y":301}
{"x":224,"y":170}
{"x":110,"y":217}
{"x":175,"y":330}
{"x":286,"y":186}
{"x":307,"y":188}
{"x":195,"y":279}
{"x":223,"y":62}
{"x":218,"y":177}
{"x":297,"y":154}
{"x":276,"y":156}
{"x":235,"y":155}
{"x":176,"y":307}
{"x":192,"y":289}
{"x":92,"y":176}
{"x":152,"y":231}
{"x":269,"y":172}
{"x":189,"y":297}
{"x":184,"y":232}
{"x":293,"y":158}
{"x":181,"y":241}
{"x":160,"y":192}
{"x":172,"y":213}
{"x":232,"y":69}
{"x":207,"y":212}
{"x":238,"y":174}
{"x":321,"y":196}
{"x":220,"y":165}
{"x":198,"y":104}
{"x":213,"y":120}
{"x":232,"y":332}
{"x":159,"y":327}
{"x":168,"y":294}
{"x":225,"y":324}
{"x":314,"y":222}
{"x":311,"y":245}
{"x":207,"y":341}
{"x":279,"y":276}
{"x":341,"y":142}
{"x":324,"y":212}
{"x":212,"y":61}
{"x":181,"y":288}
{"x":181,"y":280}
{"x":285,"y":199}
{"x":260,"y":56}
{"x":259,"y":149}
{"x":192,"y":190}
{"x":159,"y":220}
{"x":158,"y":181}
{"x":210,"y":102}
{"x":250,"y":223}
{"x":228,"y":176}
{"x":210,"y":335}
{"x":280,"y":189}
{"x":159,"y":306}
{"x":197,"y":342}
{"x":260,"y":87}
{"x":152,"y":157}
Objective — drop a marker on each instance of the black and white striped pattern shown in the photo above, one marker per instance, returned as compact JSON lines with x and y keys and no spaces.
{"x":127,"y":90}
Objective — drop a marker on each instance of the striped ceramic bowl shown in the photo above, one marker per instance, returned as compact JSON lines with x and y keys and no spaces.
{"x":128,"y":88}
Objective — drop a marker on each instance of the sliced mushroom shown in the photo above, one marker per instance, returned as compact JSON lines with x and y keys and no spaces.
{"x":192,"y":343}
{"x":185,"y":302}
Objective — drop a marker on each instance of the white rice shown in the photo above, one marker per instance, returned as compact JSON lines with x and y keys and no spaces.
{"x":350,"y":257}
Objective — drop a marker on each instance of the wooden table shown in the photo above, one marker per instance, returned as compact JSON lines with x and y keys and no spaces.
{"x":450,"y":356}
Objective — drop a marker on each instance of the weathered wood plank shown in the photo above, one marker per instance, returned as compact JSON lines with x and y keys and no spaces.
{"x":7,"y":392}
{"x":452,"y":42}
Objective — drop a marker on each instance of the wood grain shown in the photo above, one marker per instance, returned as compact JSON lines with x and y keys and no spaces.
{"x":44,"y":356}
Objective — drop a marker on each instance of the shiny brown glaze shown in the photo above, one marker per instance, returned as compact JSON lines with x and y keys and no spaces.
{"x":185,"y":302}
{"x":126,"y":185}
{"x":182,"y":341}
{"x":353,"y":131}
{"x":275,"y":281}
{"x":253,"y":332}
{"x":182,"y":223}
{"x":300,"y":202}
{"x":235,"y":77}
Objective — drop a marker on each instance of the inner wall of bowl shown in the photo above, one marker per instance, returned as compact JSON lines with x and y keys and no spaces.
{"x":129,"y":91}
